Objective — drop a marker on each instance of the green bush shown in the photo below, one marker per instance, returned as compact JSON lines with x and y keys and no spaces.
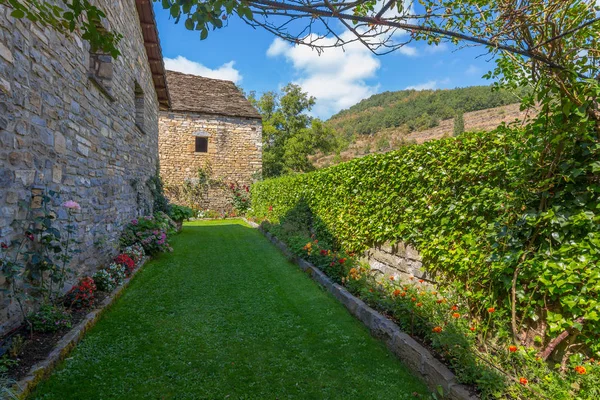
{"x":50,"y":318}
{"x":489,"y":218}
{"x":180,"y":213}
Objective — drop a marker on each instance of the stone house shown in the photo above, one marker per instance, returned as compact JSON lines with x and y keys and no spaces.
{"x":211,"y":138}
{"x":82,"y":124}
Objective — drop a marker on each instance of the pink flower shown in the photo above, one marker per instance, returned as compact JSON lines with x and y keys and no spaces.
{"x":134,"y":222}
{"x":72,"y":205}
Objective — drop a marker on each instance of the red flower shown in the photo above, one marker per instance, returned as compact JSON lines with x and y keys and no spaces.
{"x":323,"y":252}
{"x":439,"y":301}
{"x":396,"y":292}
{"x":472,"y":329}
{"x":29,"y":235}
{"x":419,"y":304}
{"x":413,"y":299}
{"x":512,"y":349}
{"x":491,"y":310}
{"x":402,"y":294}
{"x":456,"y":315}
{"x":437,"y":329}
{"x":523,"y":381}
{"x":342,"y":260}
{"x":580,"y":369}
{"x":270,"y":208}
{"x":454,"y":307}
{"x":3,"y":245}
{"x":421,"y":281}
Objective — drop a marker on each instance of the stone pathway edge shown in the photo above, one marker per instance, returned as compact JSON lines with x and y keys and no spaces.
{"x":43,"y":369}
{"x":416,"y":357}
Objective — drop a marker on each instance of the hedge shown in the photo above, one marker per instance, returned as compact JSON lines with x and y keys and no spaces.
{"x":483,"y":213}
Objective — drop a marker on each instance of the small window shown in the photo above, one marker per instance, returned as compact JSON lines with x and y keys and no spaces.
{"x":201,"y":145}
{"x":101,"y":66}
{"x":139,"y":106}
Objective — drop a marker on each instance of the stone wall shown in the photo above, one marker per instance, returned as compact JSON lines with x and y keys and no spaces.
{"x":60,"y":131}
{"x":398,"y":260}
{"x":234,"y":153}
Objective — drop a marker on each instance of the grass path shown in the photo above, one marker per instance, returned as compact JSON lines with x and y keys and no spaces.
{"x":227,"y":316}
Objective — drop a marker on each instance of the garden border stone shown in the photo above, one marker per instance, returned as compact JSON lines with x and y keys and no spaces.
{"x":416,"y":357}
{"x":67,"y":343}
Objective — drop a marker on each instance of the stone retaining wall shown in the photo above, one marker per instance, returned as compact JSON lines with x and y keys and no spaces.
{"x":398,"y":260}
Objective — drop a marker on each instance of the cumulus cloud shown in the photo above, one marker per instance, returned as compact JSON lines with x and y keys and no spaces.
{"x":429,"y":85}
{"x":225,"y":71}
{"x":336,"y":78}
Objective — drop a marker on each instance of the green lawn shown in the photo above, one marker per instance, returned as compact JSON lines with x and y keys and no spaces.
{"x":227,"y":316}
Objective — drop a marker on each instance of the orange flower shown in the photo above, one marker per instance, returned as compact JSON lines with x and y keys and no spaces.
{"x":371,"y":290}
{"x":472,"y":328}
{"x":413,"y":298}
{"x":580,"y":369}
{"x":491,"y":310}
{"x":523,"y":381}
{"x":439,"y":301}
{"x":396,"y":292}
{"x":454,"y":307}
{"x":437,"y":329}
{"x":392,"y":278}
{"x":456,"y":315}
{"x":403,"y":294}
{"x":419,"y":304}
{"x":411,"y":278}
{"x":421,"y":281}
{"x":512,"y":349}
{"x":434,"y":293}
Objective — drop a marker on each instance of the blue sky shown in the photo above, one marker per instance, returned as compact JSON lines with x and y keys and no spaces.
{"x":257,"y":61}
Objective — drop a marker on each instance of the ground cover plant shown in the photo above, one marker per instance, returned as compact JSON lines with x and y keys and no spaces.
{"x":491,"y":232}
{"x":258,"y":327}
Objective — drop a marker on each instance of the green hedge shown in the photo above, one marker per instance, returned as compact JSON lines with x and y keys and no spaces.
{"x":481,"y":210}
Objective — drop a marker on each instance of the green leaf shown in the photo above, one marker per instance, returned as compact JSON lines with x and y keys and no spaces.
{"x":17,"y":14}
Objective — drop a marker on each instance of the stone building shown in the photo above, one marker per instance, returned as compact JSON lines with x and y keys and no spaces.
{"x":211,"y":138}
{"x":81,"y":124}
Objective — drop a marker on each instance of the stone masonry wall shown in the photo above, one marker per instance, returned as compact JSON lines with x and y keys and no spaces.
{"x":60,"y":131}
{"x":234,"y":152}
{"x":398,"y":260}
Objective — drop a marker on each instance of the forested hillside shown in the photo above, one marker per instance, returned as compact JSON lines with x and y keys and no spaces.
{"x":414,"y":110}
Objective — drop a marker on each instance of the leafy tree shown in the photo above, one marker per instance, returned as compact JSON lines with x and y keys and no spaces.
{"x":290,"y":135}
{"x":459,"y":124}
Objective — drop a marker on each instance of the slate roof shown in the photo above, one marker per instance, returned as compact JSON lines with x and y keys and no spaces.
{"x":204,"y":95}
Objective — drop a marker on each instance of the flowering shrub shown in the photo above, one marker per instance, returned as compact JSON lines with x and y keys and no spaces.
{"x":127,"y":262}
{"x":150,"y":232}
{"x":135,"y":251}
{"x":240,"y":197}
{"x":117,"y":272}
{"x":104,"y":281}
{"x":82,"y":294}
{"x":50,"y":318}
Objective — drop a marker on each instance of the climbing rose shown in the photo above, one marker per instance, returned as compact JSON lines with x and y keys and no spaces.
{"x":72,"y":205}
{"x":512,"y":349}
{"x":523,"y":381}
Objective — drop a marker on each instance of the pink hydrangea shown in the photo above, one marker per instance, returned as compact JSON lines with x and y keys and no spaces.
{"x":72,"y":205}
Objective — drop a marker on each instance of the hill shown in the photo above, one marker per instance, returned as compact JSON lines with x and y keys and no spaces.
{"x":389,"y":120}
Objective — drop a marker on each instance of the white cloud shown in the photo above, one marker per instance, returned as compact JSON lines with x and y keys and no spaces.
{"x":433,"y":49}
{"x":429,"y":85}
{"x":473,"y":70}
{"x":408,"y":51}
{"x":336,"y":78}
{"x":225,"y":71}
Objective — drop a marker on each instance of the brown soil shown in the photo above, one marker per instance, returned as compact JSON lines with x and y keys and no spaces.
{"x":39,"y":345}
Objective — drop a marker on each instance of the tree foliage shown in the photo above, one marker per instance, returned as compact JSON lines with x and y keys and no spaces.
{"x":68,"y":16}
{"x":290,"y":135}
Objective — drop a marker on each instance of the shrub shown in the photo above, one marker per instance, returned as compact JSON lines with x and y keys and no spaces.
{"x":148,"y":231}
{"x":490,"y":227}
{"x":104,"y":281}
{"x":240,"y":197}
{"x":82,"y":295}
{"x":50,"y":318}
{"x":135,"y":251}
{"x":180,"y":213}
{"x":127,"y":262}
{"x":117,"y":273}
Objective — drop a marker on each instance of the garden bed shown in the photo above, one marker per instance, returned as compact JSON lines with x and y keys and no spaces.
{"x":41,"y":352}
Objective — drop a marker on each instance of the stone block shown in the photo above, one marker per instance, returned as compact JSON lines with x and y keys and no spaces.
{"x":25,"y":176}
{"x":6,"y":54}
